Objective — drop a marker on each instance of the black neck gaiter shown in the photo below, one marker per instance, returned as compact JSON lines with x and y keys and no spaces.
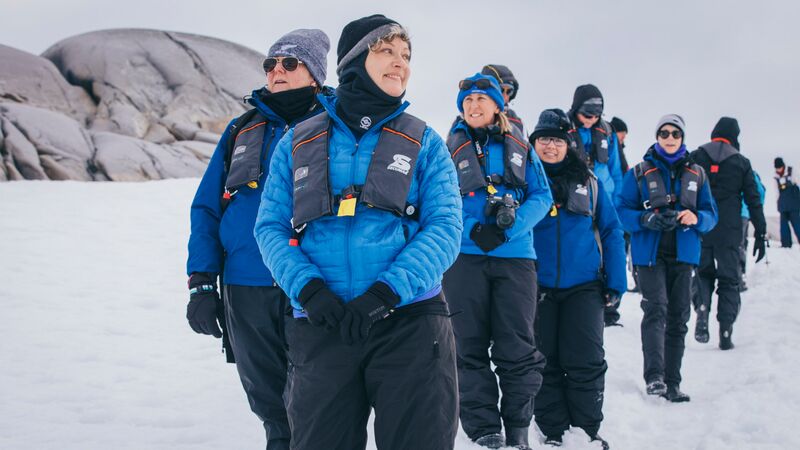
{"x":292,"y":104}
{"x":362,"y":103}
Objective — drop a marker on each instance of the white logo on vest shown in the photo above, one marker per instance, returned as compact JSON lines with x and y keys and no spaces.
{"x":581,"y":189}
{"x":239,"y":149}
{"x":300,"y":173}
{"x":692,"y":186}
{"x":366,"y":122}
{"x":604,"y":144}
{"x":401,"y":164}
{"x":516,"y":159}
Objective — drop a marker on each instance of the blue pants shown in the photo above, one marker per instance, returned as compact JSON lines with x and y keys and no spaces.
{"x":793,"y":218}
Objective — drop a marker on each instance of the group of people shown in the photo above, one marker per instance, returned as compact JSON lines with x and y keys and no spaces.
{"x":367,"y":264}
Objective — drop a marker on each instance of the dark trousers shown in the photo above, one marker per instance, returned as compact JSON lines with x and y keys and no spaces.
{"x":570,"y":334}
{"x":405,"y":371}
{"x":666,"y":290}
{"x":255,"y":319}
{"x":720,"y":264}
{"x":494,"y":305}
{"x":787,"y":218}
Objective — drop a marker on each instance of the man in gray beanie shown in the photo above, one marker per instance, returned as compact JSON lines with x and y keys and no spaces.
{"x":250,"y":315}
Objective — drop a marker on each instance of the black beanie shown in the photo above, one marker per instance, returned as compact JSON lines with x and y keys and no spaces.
{"x":358,"y":35}
{"x":727,"y":128}
{"x":779,"y":163}
{"x":582,"y":94}
{"x":619,"y":125}
{"x":552,"y":122}
{"x":503,"y":75}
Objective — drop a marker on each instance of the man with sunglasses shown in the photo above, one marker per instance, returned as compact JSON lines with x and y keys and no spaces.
{"x":509,"y":86}
{"x":223,"y":215}
{"x":732,"y":179}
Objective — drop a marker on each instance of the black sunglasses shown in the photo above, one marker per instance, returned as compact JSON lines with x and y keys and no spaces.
{"x":676,"y":134}
{"x":289,"y":64}
{"x":480,"y":84}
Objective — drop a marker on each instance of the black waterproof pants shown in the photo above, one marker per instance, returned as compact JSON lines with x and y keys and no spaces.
{"x":570,"y":334}
{"x":666,"y":290}
{"x":493,"y":301}
{"x":720,"y":264}
{"x":255,"y":319}
{"x":405,"y":371}
{"x":789,"y":218}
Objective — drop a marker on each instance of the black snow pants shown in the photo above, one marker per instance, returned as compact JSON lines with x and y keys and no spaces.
{"x":405,"y":370}
{"x":720,"y":264}
{"x":666,"y":292}
{"x":570,"y":334}
{"x":255,"y":319}
{"x":493,"y":301}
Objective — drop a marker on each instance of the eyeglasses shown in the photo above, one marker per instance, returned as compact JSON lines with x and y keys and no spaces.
{"x":480,"y":84}
{"x":588,"y":116}
{"x":508,"y":90}
{"x":289,"y":64}
{"x":676,"y":134}
{"x":547,"y":140}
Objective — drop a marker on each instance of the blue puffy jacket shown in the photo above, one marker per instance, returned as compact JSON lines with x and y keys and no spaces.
{"x":762,"y":192}
{"x":351,"y":253}
{"x":609,"y":173}
{"x":567,"y":248}
{"x":214,"y":234}
{"x":534,"y":204}
{"x":644,"y":241}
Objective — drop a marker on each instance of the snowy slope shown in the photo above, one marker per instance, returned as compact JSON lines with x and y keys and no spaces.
{"x":98,"y":354}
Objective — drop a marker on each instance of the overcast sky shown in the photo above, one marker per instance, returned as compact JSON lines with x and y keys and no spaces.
{"x":700,"y":59}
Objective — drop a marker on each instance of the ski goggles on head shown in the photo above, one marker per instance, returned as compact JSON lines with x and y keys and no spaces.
{"x":289,"y":63}
{"x":482,"y":84}
{"x":676,"y":134}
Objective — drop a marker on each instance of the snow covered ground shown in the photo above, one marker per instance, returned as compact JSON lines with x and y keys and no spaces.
{"x":98,"y":354}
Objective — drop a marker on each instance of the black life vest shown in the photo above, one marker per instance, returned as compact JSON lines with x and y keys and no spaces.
{"x":389,"y":176}
{"x":515,"y":120}
{"x":785,"y":182}
{"x":599,"y":152}
{"x":468,"y":158}
{"x":692,"y":179}
{"x":582,"y":200}
{"x":243,"y":155}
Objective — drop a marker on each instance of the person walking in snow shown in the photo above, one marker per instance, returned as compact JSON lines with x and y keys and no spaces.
{"x":223,"y":214}
{"x":788,"y":202}
{"x":510,"y":87}
{"x":493,"y":281}
{"x":581,"y":268}
{"x":359,"y":220}
{"x":731,"y":179}
{"x":666,"y":205}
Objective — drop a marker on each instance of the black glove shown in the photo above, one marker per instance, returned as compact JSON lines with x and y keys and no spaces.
{"x":365,"y":310}
{"x":760,"y":246}
{"x":611,"y":298}
{"x":205,"y":307}
{"x":488,"y":237}
{"x":660,"y":221}
{"x":322,"y":306}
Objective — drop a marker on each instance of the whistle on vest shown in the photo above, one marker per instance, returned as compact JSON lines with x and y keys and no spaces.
{"x":252,"y":184}
{"x":491,"y":189}
{"x":554,"y":211}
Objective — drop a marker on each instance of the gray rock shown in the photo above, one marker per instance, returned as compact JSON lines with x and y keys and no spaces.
{"x":22,"y":154}
{"x":124,"y":158}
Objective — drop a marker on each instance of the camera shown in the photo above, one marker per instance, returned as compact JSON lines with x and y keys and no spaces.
{"x":503,"y":208}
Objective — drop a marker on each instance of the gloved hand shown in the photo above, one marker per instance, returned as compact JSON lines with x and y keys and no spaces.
{"x":611,"y":298}
{"x":487,"y":236}
{"x":660,"y":221}
{"x":205,"y":307}
{"x":365,"y":310}
{"x":323,"y":307}
{"x":760,"y":246}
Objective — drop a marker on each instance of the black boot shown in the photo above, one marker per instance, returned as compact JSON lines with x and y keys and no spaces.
{"x":656,"y":387}
{"x":701,"y":326}
{"x":675,"y":395}
{"x":517,"y":438}
{"x":493,"y":440}
{"x":725,"y":332}
{"x":602,"y":441}
{"x":553,"y":441}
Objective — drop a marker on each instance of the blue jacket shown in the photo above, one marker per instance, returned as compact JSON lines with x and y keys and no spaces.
{"x":644,"y":241}
{"x":534,"y":204}
{"x":609,"y":173}
{"x":762,"y":192}
{"x":214,"y":234}
{"x":351,"y":253}
{"x":567,"y":248}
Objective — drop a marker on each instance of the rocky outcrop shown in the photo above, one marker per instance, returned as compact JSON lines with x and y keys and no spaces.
{"x":120,"y":105}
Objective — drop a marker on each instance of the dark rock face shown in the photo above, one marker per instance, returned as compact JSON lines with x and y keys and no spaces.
{"x":120,"y":105}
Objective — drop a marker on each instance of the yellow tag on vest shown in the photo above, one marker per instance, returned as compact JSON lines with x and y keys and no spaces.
{"x":347,"y":207}
{"x":553,"y":211}
{"x":252,"y":184}
{"x":491,"y":190}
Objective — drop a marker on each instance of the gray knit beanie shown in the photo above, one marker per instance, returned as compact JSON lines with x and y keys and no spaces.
{"x":671,"y":119}
{"x":309,"y":46}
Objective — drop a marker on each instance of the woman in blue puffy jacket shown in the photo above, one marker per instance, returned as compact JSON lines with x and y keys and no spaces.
{"x":359,"y":220}
{"x":491,"y":288}
{"x":581,"y":270}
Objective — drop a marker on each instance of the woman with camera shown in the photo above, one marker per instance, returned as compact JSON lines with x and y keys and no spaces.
{"x":491,"y":288}
{"x":581,"y":270}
